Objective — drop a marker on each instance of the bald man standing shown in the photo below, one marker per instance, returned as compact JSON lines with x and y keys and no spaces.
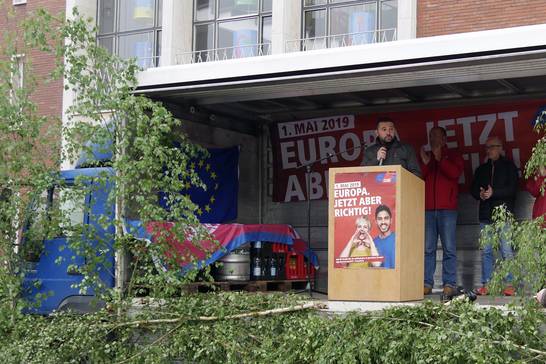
{"x":495,"y":184}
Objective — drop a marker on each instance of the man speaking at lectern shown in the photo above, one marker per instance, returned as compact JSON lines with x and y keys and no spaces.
{"x":388,"y":150}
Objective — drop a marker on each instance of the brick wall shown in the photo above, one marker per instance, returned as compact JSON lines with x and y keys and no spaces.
{"x":437,"y":17}
{"x":47,"y":95}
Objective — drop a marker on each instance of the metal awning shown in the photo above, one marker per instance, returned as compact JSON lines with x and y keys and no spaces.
{"x":458,"y":68}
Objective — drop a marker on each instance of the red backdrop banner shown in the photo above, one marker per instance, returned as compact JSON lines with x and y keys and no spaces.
{"x":298,"y":143}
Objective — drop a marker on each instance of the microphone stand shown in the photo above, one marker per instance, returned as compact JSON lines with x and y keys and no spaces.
{"x":308,"y":169}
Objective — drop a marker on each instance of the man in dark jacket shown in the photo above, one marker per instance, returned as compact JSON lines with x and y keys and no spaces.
{"x":387,"y":150}
{"x":495,"y":184}
{"x":441,"y":170}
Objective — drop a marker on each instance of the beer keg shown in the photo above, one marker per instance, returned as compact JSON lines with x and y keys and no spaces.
{"x":235,"y":266}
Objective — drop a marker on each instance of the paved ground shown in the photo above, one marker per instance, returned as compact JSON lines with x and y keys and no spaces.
{"x":346,"y":306}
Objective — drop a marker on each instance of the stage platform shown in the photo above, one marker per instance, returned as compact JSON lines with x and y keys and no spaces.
{"x":350,"y":306}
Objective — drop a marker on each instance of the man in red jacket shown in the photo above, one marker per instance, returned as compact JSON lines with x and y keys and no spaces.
{"x":441,"y":170}
{"x":534,"y":185}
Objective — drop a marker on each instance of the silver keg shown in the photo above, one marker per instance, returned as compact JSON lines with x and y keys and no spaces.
{"x":235,"y":266}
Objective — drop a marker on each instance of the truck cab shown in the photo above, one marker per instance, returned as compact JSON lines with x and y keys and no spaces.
{"x":52,"y":278}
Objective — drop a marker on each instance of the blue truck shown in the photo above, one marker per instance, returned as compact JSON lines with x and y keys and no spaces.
{"x":52,"y":280}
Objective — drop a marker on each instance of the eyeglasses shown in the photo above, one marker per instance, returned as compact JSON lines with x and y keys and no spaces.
{"x":492,"y":146}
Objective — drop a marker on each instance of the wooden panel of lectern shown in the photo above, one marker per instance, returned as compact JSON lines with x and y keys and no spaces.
{"x":376,"y":219}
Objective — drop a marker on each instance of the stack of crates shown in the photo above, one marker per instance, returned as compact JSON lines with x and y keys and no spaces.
{"x":288,"y":264}
{"x":279,"y":251}
{"x":296,"y":267}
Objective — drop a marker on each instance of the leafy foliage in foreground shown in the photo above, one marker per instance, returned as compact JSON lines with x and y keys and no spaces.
{"x":538,"y":155}
{"x":427,"y":333}
{"x":528,"y":239}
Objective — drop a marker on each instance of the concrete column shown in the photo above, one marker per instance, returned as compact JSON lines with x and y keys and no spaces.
{"x":86,"y":9}
{"x":407,"y":19}
{"x":176,"y":34}
{"x":286,"y":23}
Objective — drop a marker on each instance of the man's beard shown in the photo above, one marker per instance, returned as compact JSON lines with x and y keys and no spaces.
{"x":385,"y":141}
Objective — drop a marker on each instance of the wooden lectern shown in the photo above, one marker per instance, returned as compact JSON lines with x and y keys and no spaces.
{"x":360,"y":200}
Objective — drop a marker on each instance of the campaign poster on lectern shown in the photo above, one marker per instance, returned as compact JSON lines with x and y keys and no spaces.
{"x":364,"y":220}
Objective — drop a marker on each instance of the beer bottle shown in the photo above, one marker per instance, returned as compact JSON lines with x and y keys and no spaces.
{"x":256,"y":269}
{"x":273,"y":268}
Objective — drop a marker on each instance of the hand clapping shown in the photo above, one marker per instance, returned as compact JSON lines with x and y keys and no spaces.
{"x":486,"y":193}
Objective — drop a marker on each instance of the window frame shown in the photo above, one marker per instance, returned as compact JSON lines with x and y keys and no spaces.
{"x":81,"y":208}
{"x":116,"y":34}
{"x":328,"y":5}
{"x":260,"y":14}
{"x":50,"y":197}
{"x":17,"y":79}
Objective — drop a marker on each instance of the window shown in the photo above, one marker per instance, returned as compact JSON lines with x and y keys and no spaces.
{"x":58,"y":212}
{"x":36,"y":226}
{"x":17,"y":76}
{"x":226,"y":29}
{"x":70,"y":202}
{"x":19,"y":2}
{"x":131,"y":28}
{"x":338,"y":23}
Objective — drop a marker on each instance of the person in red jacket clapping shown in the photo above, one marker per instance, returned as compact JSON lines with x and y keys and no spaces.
{"x":533,"y":185}
{"x":441,"y":170}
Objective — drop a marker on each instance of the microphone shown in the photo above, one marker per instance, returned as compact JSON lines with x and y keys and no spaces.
{"x":386,"y":146}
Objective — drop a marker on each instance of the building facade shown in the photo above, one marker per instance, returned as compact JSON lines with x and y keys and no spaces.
{"x":235,"y":70}
{"x":48,"y":97}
